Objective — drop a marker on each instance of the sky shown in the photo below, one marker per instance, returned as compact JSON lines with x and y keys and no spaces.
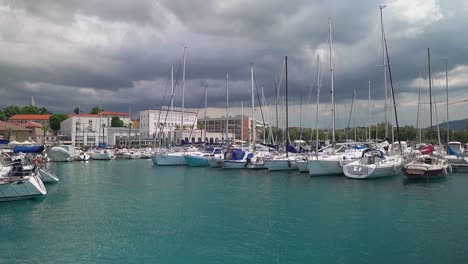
{"x":119,"y":54}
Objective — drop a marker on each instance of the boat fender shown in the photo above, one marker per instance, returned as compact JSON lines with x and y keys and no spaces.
{"x":289,"y":163}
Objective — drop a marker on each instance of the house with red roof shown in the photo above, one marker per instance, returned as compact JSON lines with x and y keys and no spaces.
{"x":14,"y":132}
{"x":21,"y":119}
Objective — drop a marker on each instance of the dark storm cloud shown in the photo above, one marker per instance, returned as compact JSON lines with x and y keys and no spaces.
{"x":86,"y":52}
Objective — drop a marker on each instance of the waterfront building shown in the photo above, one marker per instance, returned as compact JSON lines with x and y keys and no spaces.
{"x":157,"y":123}
{"x":23,"y":119}
{"x":92,"y":129}
{"x":14,"y":132}
{"x":218,"y":125}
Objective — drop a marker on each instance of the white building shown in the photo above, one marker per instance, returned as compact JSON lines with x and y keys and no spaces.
{"x":158,"y":121}
{"x":90,"y":129}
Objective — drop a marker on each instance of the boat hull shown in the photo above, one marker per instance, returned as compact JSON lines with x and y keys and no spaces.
{"x":101,"y":156}
{"x":234,"y":164}
{"x":368,"y":172}
{"x":20,"y":190}
{"x":197,"y":161}
{"x":170,"y":160}
{"x":281,"y":165}
{"x":302,"y":166}
{"x":415,"y":174}
{"x":319,"y":167}
{"x":215,"y":162}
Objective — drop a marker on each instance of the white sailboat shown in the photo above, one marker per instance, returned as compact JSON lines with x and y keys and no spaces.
{"x":15,"y":184}
{"x":374,"y":163}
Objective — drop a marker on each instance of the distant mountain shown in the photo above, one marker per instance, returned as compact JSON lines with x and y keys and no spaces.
{"x":454,"y":125}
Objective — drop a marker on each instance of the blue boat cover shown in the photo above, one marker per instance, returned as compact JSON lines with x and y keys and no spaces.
{"x":28,"y":149}
{"x":292,"y":149}
{"x":4,"y":142}
{"x":238,"y":154}
{"x":451,"y":151}
{"x":359,"y":146}
{"x":102,"y":145}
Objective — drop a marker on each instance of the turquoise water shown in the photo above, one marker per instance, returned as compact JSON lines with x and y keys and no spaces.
{"x":131,"y":212}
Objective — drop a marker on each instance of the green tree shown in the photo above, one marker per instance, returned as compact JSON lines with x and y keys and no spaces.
{"x":55,"y":121}
{"x":96,"y":110}
{"x":10,"y":111}
{"x":77,"y":110}
{"x":44,"y":111}
{"x":29,"y":110}
{"x":116,"y":122}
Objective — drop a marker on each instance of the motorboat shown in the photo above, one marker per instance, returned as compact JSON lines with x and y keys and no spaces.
{"x":82,"y":156}
{"x":373,"y":164}
{"x":236,"y":159}
{"x":131,"y":154}
{"x":426,"y":167}
{"x":102,"y":154}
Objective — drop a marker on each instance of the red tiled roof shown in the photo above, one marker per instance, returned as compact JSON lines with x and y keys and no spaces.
{"x":30,"y":117}
{"x":83,"y":115}
{"x":4,"y":126}
{"x":32,"y":124}
{"x":114,"y":113}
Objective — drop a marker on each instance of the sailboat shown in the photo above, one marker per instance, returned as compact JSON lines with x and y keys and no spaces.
{"x":283,"y":161}
{"x":429,"y":165}
{"x":375,"y":162}
{"x":330,"y":160}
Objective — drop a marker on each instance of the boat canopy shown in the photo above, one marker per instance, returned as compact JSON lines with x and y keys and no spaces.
{"x":451,"y":151}
{"x":28,"y":149}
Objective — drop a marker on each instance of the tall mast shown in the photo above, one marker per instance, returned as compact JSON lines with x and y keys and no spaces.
{"x":300,"y":120}
{"x":430,"y":89}
{"x":287,"y":113}
{"x":317,"y":104}
{"x":172,"y":105}
{"x":418,"y":125}
{"x":206,"y":104}
{"x":369,"y":114}
{"x":254,"y":136}
{"x":227,"y":106}
{"x":183,"y":92}
{"x":447,"y":96}
{"x":385,"y":70}
{"x":354,"y":117}
{"x":276,"y":106}
{"x":332,"y":81}
{"x":242,"y":124}
{"x":264,"y":127}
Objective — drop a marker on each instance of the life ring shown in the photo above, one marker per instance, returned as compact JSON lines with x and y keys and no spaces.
{"x":38,"y":162}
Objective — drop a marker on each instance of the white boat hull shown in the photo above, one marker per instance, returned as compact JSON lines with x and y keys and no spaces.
{"x":281,"y":164}
{"x":234,"y":164}
{"x":102,"y":156}
{"x":358,"y":171}
{"x":215,"y":162}
{"x":28,"y":188}
{"x":302,"y":165}
{"x":321,"y":167}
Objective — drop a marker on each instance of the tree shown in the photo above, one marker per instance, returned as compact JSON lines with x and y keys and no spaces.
{"x":10,"y":111}
{"x":116,"y":122}
{"x":55,"y":121}
{"x":44,"y":111}
{"x":96,"y":110}
{"x":76,"y":111}
{"x":29,"y":110}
